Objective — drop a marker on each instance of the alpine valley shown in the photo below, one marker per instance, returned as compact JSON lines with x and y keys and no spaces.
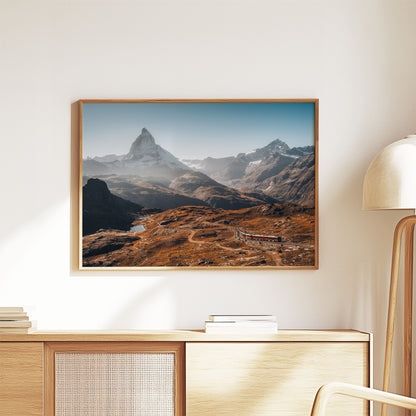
{"x":147,"y":208}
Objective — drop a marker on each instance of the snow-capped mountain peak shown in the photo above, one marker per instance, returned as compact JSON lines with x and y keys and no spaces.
{"x":145,"y":158}
{"x":277,"y":146}
{"x":144,"y":144}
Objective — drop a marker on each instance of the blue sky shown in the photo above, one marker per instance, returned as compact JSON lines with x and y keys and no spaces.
{"x":196,"y":130}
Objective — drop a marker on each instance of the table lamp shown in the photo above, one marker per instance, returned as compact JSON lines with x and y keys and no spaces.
{"x":390,"y":183}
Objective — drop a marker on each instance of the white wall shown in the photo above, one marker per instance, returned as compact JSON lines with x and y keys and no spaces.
{"x":357,"y":57}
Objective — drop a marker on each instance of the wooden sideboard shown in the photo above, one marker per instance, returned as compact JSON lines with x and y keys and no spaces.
{"x":219,"y":375}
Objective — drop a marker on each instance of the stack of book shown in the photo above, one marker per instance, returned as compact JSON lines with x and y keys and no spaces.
{"x":241,"y":324}
{"x":13,"y":320}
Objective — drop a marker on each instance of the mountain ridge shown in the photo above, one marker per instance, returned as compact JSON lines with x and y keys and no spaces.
{"x":144,"y":158}
{"x":256,"y":177}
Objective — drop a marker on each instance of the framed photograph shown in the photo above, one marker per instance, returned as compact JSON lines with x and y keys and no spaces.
{"x":198,"y":184}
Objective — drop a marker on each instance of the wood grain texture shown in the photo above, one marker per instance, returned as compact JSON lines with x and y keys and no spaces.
{"x":180,"y":381}
{"x":238,"y":376}
{"x":328,"y":390}
{"x":401,"y":227}
{"x":408,"y":311}
{"x":213,"y":100}
{"x":21,"y":376}
{"x":271,"y":378}
{"x":49,"y":380}
{"x":189,"y":336}
{"x":76,"y":185}
{"x":395,"y":263}
{"x":316,"y":138}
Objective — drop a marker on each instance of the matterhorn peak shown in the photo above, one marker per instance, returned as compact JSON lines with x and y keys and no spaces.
{"x":145,"y":136}
{"x":144,"y":144}
{"x":145,"y":131}
{"x":145,"y":153}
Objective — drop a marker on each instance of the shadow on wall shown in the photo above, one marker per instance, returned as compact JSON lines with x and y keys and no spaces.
{"x":131,"y":314}
{"x":32,"y":188}
{"x":364,"y":245}
{"x":182,"y":297}
{"x":247,"y":385}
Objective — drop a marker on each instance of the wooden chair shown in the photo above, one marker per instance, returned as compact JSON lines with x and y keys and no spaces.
{"x":328,"y":390}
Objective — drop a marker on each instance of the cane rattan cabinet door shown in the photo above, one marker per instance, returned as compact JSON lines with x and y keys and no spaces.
{"x":115,"y":379}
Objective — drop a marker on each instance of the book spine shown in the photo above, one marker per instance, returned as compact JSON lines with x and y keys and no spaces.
{"x":238,"y":318}
{"x":248,"y":324}
{"x":14,"y":330}
{"x":239,"y":330}
{"x":15,"y":324}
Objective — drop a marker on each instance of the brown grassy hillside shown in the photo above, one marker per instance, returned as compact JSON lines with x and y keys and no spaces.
{"x":195,"y":236}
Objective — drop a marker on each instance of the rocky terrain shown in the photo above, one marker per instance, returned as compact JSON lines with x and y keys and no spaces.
{"x":152,"y":177}
{"x":204,"y":236}
{"x":216,"y":195}
{"x":149,"y":192}
{"x":295,"y":184}
{"x":265,"y":170}
{"x":252,"y":209}
{"x":101,"y":209}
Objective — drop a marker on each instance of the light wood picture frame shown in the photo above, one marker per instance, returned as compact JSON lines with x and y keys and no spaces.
{"x":198,"y":184}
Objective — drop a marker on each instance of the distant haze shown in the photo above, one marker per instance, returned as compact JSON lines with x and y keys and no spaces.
{"x":196,"y":130}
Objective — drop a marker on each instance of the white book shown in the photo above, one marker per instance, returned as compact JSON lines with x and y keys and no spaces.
{"x":242,"y":324}
{"x":238,"y":318}
{"x":249,"y":327}
{"x":239,"y":328}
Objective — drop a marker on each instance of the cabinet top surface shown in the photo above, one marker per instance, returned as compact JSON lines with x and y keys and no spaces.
{"x":190,"y":336}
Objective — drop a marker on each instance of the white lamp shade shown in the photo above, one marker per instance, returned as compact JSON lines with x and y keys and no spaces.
{"x":390,"y":181}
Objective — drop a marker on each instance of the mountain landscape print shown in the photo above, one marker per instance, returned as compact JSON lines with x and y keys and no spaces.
{"x":198,"y":184}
